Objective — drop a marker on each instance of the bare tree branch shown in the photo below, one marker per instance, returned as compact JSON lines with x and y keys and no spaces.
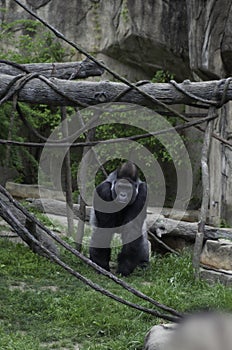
{"x":58,"y":92}
{"x":205,"y":195}
{"x":64,"y":70}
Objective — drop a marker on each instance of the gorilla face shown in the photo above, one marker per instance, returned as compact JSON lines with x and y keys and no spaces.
{"x":124,"y":191}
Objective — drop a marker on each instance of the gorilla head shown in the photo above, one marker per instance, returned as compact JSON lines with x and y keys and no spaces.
{"x":128,"y":171}
{"x":125,"y":186}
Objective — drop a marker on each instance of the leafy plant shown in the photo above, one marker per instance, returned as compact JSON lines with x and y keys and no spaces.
{"x":162,"y":77}
{"x":32,"y":44}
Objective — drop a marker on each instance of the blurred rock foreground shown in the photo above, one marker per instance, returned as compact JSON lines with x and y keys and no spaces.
{"x":206,"y":330}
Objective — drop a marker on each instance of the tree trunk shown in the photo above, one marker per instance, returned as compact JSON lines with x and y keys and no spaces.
{"x":205,"y":195}
{"x":68,"y":176}
{"x":66,"y":70}
{"x":187,"y":230}
{"x":37,"y":91}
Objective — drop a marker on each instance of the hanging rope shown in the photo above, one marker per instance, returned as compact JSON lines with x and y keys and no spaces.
{"x":60,"y":143}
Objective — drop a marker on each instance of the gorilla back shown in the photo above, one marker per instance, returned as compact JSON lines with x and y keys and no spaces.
{"x":119,"y":205}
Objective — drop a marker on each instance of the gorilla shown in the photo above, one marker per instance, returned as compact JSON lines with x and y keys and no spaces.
{"x":119,"y":206}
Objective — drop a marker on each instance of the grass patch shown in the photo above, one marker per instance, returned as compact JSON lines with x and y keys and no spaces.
{"x":43,"y":307}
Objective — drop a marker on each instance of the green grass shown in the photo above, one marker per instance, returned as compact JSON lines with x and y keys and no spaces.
{"x":43,"y":307}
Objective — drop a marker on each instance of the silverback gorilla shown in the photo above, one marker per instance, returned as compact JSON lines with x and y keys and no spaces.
{"x":119,"y":205}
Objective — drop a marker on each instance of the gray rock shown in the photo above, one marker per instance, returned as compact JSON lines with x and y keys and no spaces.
{"x":56,"y":207}
{"x":24,"y":191}
{"x":145,"y":36}
{"x":208,"y":25}
{"x":216,"y":276}
{"x":217,"y":254}
{"x":6,"y":174}
{"x":206,"y":330}
{"x":158,"y":336}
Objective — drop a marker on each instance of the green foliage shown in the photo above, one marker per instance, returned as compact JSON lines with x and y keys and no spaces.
{"x":42,"y":305}
{"x":42,"y":118}
{"x":125,"y":129}
{"x":43,"y":218}
{"x":32,"y":44}
{"x":97,"y":26}
{"x":224,"y":224}
{"x":125,"y":11}
{"x":35,"y":44}
{"x":162,"y":77}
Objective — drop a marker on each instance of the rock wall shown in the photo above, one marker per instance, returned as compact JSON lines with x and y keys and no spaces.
{"x":209,"y":33}
{"x":182,"y":36}
{"x":190,"y":38}
{"x":134,"y":36}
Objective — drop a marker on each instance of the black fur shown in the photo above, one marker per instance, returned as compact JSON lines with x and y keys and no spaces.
{"x":126,"y":218}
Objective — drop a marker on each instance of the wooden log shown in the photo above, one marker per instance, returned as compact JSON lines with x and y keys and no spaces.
{"x":82,"y":208}
{"x":25,"y":191}
{"x":57,"y":207}
{"x":187,"y":230}
{"x":37,"y":91}
{"x":205,"y":194}
{"x":68,"y":175}
{"x":64,"y":70}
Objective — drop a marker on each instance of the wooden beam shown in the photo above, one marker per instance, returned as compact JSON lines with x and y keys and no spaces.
{"x":187,"y":230}
{"x":65,"y":70}
{"x":37,"y":91}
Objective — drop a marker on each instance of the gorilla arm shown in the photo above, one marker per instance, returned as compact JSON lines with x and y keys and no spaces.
{"x":135,"y":250}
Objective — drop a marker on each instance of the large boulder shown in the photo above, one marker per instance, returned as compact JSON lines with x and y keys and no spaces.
{"x":157,"y":338}
{"x":139,"y":37}
{"x":23,"y":191}
{"x":218,"y":254}
{"x":209,"y":33}
{"x":208,"y":331}
{"x":216,"y":260}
